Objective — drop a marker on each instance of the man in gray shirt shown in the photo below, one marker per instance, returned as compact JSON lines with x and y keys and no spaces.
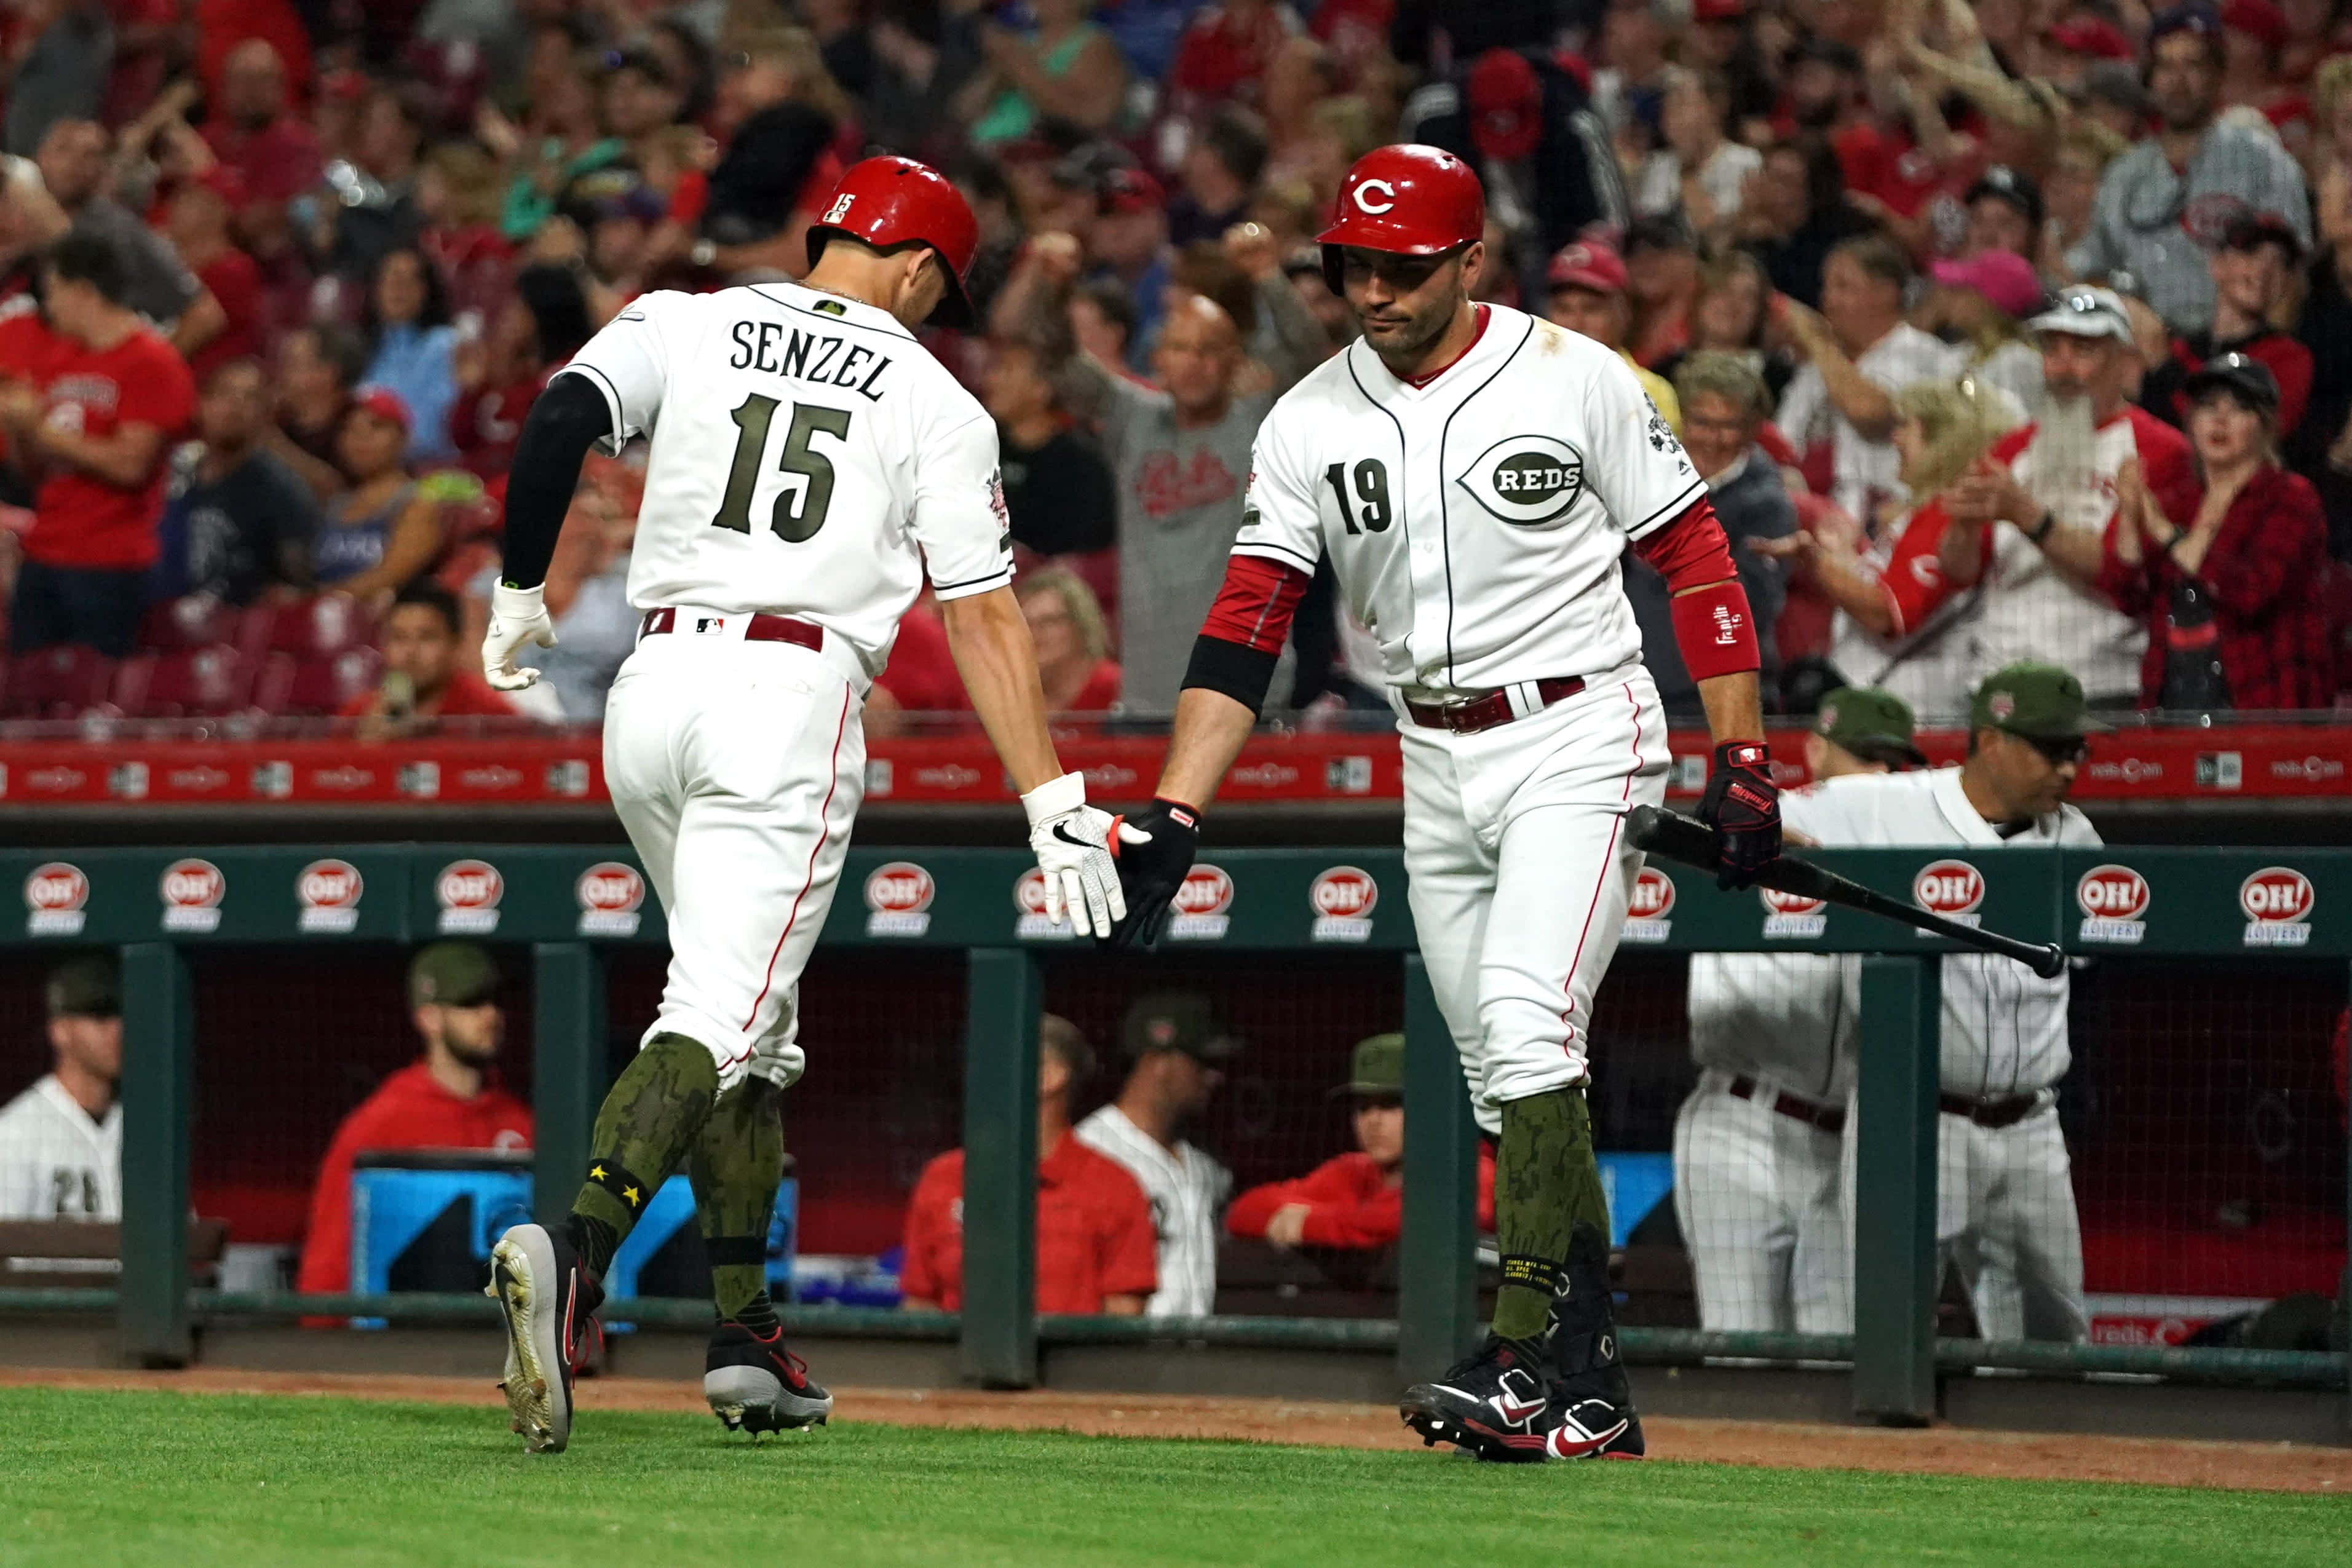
{"x":1179,"y":451}
{"x":2165,"y":205}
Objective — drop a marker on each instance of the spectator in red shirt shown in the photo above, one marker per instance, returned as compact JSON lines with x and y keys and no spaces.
{"x":91,"y":399}
{"x":450,"y":1099}
{"x":1096,"y":1250}
{"x":424,"y":677}
{"x":1225,"y":51}
{"x":199,"y":222}
{"x":920,"y":677}
{"x":252,"y":131}
{"x":2251,"y":274}
{"x":538,"y":329}
{"x":2232,"y":596}
{"x":1073,"y":644}
{"x":1354,"y":1200}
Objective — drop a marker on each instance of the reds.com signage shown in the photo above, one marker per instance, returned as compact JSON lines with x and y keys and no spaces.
{"x":610,"y":895}
{"x":1201,"y":906}
{"x":1343,"y":898}
{"x":468,"y":892}
{"x":55,"y":897}
{"x":191,"y":891}
{"x":1653,"y":900}
{"x":2277,"y":902}
{"x":899,"y":900}
{"x":2113,"y":900}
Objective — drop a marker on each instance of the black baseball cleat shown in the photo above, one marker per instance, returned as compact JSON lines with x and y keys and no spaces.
{"x":755,"y":1385}
{"x":1562,"y":1395}
{"x":550,"y":1301}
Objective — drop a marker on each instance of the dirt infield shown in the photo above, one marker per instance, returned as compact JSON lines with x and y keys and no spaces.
{"x":2280,"y":1467}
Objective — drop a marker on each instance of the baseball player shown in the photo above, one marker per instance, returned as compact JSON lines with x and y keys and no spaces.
{"x":1758,"y":1144}
{"x":810,"y":464}
{"x":61,"y":1139}
{"x":2004,"y":1190}
{"x":1475,"y":476}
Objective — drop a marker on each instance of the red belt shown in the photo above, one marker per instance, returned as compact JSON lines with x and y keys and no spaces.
{"x":1995,"y":1112}
{"x":764,"y":628}
{"x":1828,"y":1118}
{"x":1472,"y":714}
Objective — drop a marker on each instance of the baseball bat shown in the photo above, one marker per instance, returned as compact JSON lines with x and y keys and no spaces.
{"x":1692,"y":842}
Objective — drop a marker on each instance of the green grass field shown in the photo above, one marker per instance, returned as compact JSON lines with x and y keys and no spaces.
{"x":189,"y":1481}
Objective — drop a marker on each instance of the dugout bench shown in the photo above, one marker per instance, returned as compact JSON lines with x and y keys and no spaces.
{"x":570,"y":905}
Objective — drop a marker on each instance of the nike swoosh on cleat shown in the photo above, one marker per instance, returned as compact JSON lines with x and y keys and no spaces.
{"x":1514,"y":1412}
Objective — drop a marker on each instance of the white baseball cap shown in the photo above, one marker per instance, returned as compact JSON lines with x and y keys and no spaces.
{"x":2086,"y":313}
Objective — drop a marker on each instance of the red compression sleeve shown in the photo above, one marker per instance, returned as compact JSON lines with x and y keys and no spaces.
{"x":1714,"y":627}
{"x":1254,"y":607}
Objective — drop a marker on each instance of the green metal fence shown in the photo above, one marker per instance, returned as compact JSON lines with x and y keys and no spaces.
{"x":570,"y":905}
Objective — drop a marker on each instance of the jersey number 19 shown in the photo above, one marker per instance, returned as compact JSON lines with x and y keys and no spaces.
{"x":753,"y":420}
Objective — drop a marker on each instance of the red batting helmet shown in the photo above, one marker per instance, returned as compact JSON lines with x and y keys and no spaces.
{"x":890,"y":201}
{"x":1409,"y":199}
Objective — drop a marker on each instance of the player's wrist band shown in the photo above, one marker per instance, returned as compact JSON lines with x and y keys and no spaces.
{"x":1715,"y":630}
{"x":1054,"y":797}
{"x":1742,"y":755}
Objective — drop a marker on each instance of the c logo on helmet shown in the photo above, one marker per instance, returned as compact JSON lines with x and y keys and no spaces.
{"x":1364,"y":193}
{"x":839,"y":210}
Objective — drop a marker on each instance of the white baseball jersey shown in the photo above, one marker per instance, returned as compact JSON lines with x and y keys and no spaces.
{"x":809,"y":457}
{"x":1476,"y":522}
{"x":2030,"y":609}
{"x":1786,"y":1017}
{"x":55,"y":1162}
{"x":1187,"y":1190}
{"x":1864,"y":472}
{"x":2004,"y":1027}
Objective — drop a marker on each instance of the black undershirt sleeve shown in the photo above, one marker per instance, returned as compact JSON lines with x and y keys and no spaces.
{"x":1241,"y":673}
{"x":569,"y":417}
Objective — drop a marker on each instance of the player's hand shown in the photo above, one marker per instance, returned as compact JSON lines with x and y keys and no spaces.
{"x":517,"y":615}
{"x":1743,"y":806}
{"x":1156,"y":848}
{"x":1072,"y":841}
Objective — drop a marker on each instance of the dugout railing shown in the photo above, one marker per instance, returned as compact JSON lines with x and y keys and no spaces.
{"x":571,"y":907}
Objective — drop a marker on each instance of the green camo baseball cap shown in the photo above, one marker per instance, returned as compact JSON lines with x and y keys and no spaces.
{"x":1375,"y":1069}
{"x":89,"y":987}
{"x":1176,"y":1021}
{"x":2037,"y":701}
{"x":1874,"y":725}
{"x":452,"y":974}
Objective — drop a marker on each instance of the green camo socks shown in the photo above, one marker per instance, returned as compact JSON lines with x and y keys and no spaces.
{"x":1547,"y":1182}
{"x":647,"y":1124}
{"x":735,"y":1164}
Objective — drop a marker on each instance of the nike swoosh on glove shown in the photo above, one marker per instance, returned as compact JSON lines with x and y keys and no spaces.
{"x":1156,"y":848}
{"x":517,"y":615}
{"x":1073,"y":843}
{"x":1743,"y":806}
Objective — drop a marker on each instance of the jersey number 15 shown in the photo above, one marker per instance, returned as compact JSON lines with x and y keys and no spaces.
{"x":751,"y":422}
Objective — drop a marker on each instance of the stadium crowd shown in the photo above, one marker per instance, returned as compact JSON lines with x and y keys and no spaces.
{"x":1997,"y":329}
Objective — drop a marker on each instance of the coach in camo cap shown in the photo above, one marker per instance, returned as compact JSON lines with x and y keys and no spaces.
{"x":1868,"y":726}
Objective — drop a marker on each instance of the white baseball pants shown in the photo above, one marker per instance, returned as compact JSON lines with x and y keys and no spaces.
{"x":1760,"y":1197}
{"x":735,"y":768}
{"x":1515,"y":847}
{"x":2005,"y":1216}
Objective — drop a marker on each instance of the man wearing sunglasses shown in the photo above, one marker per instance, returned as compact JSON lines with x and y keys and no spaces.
{"x":2163,"y":206}
{"x":2004,"y":1191}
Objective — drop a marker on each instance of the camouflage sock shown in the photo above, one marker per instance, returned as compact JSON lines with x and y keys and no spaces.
{"x":736,"y":1161}
{"x":1547,"y":1182}
{"x":648,"y":1122}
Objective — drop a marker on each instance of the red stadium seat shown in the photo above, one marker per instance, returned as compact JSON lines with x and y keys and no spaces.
{"x":311,"y":688}
{"x":63,"y":682}
{"x":185,"y":683}
{"x":308,"y":628}
{"x":193,"y":620}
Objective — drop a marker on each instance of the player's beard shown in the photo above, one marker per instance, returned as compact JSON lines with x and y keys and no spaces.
{"x":1411,"y":339}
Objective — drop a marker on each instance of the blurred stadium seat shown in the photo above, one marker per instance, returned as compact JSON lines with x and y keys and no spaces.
{"x":62,"y":682}
{"x":206,"y":682}
{"x":318,"y":686}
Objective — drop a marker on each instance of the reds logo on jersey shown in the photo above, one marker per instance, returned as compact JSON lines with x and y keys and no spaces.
{"x":1526,"y":481}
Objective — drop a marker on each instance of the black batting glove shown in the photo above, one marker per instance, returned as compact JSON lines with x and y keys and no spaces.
{"x":1743,"y":806}
{"x":1151,"y":871}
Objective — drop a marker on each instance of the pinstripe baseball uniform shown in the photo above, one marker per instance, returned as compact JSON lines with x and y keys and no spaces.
{"x":1188,"y":1190}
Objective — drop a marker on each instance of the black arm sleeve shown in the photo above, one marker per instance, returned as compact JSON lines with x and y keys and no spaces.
{"x":1241,"y":673}
{"x":569,"y":417}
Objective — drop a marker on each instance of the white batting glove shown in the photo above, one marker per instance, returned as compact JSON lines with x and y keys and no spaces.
{"x":517,"y":615}
{"x":1073,"y":844}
